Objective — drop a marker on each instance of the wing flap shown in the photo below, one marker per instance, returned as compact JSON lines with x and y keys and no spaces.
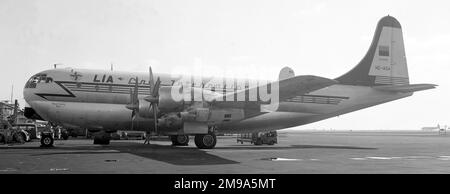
{"x":288,"y":88}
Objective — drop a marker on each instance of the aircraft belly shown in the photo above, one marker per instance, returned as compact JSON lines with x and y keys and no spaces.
{"x":87,"y":115}
{"x":266,"y":122}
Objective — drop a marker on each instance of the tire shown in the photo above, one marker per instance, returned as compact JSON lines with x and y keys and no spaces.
{"x":205,"y":141}
{"x":103,"y":139}
{"x":47,"y":141}
{"x":2,"y":139}
{"x":180,"y":140}
{"x":271,"y":143}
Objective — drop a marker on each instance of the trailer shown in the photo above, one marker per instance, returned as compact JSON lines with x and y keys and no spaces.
{"x":259,"y":138}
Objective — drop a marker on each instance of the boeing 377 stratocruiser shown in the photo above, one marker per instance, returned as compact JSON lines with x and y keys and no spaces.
{"x":106,"y":101}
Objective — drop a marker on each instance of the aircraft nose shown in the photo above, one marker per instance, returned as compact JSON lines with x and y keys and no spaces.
{"x":31,"y":86}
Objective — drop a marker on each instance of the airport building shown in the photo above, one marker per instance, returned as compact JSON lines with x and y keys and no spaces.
{"x":6,"y":109}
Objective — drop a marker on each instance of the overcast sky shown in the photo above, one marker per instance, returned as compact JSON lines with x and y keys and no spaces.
{"x":254,"y":38}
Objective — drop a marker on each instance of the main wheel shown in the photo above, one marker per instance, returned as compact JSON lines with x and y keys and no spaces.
{"x":46,"y":141}
{"x":102,"y":139}
{"x":258,"y":142}
{"x":205,"y":141}
{"x":180,"y":140}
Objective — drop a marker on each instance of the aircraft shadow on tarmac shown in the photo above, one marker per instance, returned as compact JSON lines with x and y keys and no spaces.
{"x":164,"y":153}
{"x":167,"y":153}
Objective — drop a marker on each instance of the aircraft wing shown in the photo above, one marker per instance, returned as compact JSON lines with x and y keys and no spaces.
{"x":288,"y":88}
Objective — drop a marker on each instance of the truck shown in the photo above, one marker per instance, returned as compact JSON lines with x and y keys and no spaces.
{"x":259,"y":138}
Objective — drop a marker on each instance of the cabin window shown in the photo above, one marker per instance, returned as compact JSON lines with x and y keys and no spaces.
{"x":49,"y":80}
{"x":383,"y":51}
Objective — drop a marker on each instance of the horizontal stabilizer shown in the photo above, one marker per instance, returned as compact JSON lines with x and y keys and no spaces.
{"x":406,"y":88}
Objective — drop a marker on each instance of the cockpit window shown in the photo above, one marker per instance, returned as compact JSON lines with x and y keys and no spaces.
{"x":38,"y":78}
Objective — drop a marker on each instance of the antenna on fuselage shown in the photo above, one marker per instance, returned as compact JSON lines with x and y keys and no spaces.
{"x":111,"y":66}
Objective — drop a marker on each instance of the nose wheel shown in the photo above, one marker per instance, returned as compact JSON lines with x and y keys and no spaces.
{"x":205,"y":141}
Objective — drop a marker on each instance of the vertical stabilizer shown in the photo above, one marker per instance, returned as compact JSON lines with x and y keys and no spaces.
{"x":286,"y":73}
{"x":385,"y":62}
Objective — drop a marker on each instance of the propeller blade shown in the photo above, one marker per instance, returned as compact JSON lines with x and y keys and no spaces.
{"x":136,"y":90}
{"x":151,"y":82}
{"x":155,"y":92}
{"x":134,"y":102}
{"x":132,"y":120}
{"x":155,"y":117}
{"x":131,"y":96}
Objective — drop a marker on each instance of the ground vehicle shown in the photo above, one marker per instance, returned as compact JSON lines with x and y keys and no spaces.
{"x":30,"y":128}
{"x":258,"y":138}
{"x":14,"y":134}
{"x":133,"y":135}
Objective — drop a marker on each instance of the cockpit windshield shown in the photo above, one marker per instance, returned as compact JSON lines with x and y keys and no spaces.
{"x":38,"y":78}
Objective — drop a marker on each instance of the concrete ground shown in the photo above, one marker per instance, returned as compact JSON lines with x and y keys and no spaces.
{"x":297,"y":152}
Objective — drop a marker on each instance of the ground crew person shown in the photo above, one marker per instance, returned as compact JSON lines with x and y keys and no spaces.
{"x":147,"y":138}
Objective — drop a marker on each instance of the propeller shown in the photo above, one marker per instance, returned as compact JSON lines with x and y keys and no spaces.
{"x":134,"y":102}
{"x":153,"y":98}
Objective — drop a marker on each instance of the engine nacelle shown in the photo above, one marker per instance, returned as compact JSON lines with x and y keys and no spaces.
{"x":167,"y":102}
{"x":171,"y":121}
{"x":182,"y":123}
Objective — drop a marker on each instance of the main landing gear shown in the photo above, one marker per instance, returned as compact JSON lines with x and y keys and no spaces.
{"x":102,"y":138}
{"x":205,"y":141}
{"x":202,"y":141}
{"x":179,"y":140}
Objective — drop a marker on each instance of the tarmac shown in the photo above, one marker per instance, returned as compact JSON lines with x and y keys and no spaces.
{"x":297,"y":152}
